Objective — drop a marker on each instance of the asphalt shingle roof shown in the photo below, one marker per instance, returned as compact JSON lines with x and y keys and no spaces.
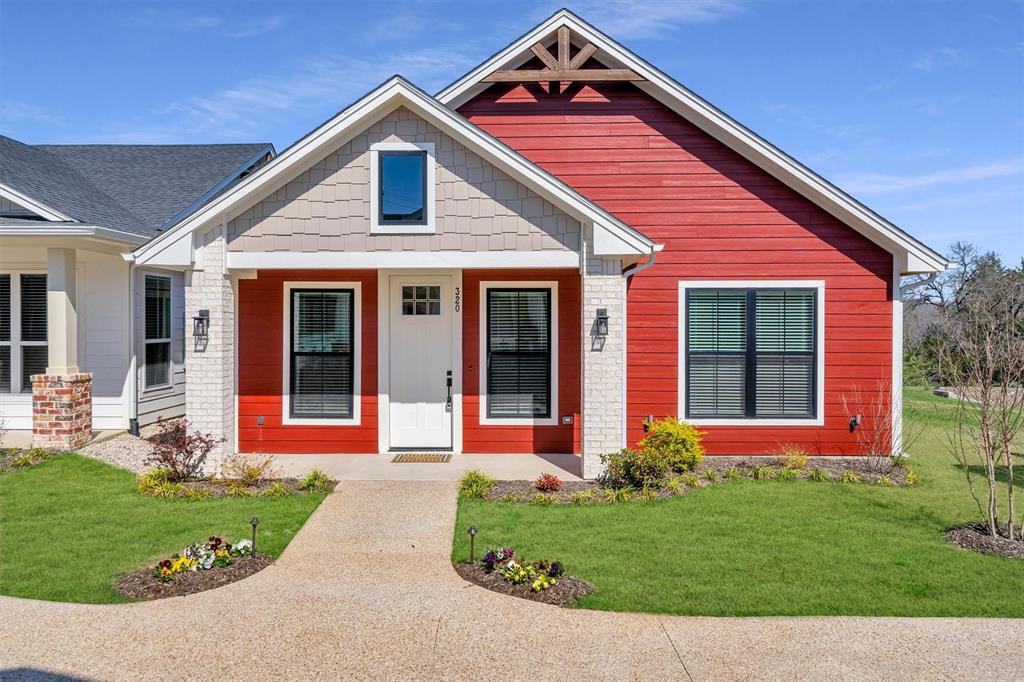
{"x":132,"y":188}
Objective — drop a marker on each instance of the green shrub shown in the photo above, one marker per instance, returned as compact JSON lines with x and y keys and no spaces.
{"x":787,"y":475}
{"x":691,"y":480}
{"x":710,"y":475}
{"x":818,"y":474}
{"x":153,"y":478}
{"x":850,"y":477}
{"x":23,"y":461}
{"x":612,"y":494}
{"x":510,"y":496}
{"x":634,"y":469}
{"x":915,"y":371}
{"x":543,"y":499}
{"x":165,"y":490}
{"x":674,"y":485}
{"x":250,"y":469}
{"x":675,"y":443}
{"x":581,"y":497}
{"x":885,"y":482}
{"x":191,"y":493}
{"x":911,"y":478}
{"x":648,"y":494}
{"x":476,"y":483}
{"x":317,"y":481}
{"x":238,"y":491}
{"x":277,"y":489}
{"x":762,"y":473}
{"x":732,"y":474}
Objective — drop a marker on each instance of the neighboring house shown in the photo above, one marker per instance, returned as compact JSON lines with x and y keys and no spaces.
{"x":71,"y":305}
{"x":557,"y":247}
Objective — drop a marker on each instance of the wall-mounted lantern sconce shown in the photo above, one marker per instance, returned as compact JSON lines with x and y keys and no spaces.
{"x":601,"y":325}
{"x":854,"y":422}
{"x":201,"y":324}
{"x":647,"y":423}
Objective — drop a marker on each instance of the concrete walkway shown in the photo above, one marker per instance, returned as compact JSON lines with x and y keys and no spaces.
{"x":366,"y":591}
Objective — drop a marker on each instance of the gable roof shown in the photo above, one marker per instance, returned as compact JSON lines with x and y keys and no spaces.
{"x":393,"y":93}
{"x":129,"y":191}
{"x":916,"y":256}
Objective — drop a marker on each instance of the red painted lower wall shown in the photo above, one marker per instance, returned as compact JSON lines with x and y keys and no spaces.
{"x":260,"y":369}
{"x":523,"y":439}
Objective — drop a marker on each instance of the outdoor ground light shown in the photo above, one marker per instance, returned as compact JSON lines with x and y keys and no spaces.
{"x":472,"y":537}
{"x":254,"y":522}
{"x":601,"y":328}
{"x":201,"y":324}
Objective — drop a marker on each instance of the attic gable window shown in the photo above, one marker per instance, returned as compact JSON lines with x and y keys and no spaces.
{"x":402,"y":188}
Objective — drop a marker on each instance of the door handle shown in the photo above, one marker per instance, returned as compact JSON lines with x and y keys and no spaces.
{"x":448,"y":403}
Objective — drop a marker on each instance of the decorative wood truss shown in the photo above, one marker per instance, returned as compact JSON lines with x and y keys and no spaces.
{"x":562,"y":68}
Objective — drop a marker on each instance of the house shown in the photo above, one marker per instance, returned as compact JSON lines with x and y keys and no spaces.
{"x":109,"y":333}
{"x":559,"y":246}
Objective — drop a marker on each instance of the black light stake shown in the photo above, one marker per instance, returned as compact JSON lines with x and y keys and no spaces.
{"x":472,"y":537}
{"x":254,"y":522}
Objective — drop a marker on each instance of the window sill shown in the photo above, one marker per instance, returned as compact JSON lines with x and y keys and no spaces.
{"x":316,"y":421}
{"x":518,"y":421}
{"x":705,"y":421}
{"x":403,"y":229}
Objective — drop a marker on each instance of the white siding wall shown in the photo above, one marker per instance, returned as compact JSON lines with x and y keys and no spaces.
{"x":170,"y":401}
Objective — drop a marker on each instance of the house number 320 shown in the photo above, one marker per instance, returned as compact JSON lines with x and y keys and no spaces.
{"x":458,"y":299}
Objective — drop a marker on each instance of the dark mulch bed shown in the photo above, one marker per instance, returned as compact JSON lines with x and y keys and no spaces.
{"x":143,"y":586}
{"x":8,"y":456}
{"x":567,"y":590}
{"x":976,"y":537}
{"x":870,"y":470}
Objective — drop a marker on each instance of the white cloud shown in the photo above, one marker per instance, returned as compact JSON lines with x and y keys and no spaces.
{"x":311,"y":90}
{"x":881,"y":183}
{"x":257,"y":27}
{"x":944,"y":57}
{"x":651,"y":18}
{"x":14,"y":110}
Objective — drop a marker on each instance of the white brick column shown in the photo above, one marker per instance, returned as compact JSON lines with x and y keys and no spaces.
{"x":209,"y":361}
{"x":604,"y":372}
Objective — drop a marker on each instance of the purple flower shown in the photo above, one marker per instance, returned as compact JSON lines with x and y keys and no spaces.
{"x":555,"y":570}
{"x":489,"y":560}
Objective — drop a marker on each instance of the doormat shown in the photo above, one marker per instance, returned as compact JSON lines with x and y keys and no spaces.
{"x":422,"y":458}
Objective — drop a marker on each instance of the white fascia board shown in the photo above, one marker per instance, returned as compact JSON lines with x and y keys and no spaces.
{"x":339,"y":260}
{"x":712,"y":121}
{"x":31,"y":204}
{"x":76,"y":230}
{"x":352,"y":121}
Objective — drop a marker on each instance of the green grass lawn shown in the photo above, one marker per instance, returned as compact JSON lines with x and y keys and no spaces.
{"x":71,"y":525}
{"x":773,"y":547}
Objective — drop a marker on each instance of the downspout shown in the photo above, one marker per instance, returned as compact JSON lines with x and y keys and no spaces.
{"x":626,"y":275}
{"x":133,"y":383}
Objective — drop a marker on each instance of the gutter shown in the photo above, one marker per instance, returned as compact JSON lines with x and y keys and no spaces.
{"x":626,"y":275}
{"x":104,"y":233}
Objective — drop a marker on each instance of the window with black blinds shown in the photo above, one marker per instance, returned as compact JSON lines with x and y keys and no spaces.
{"x":5,"y":333}
{"x":751,"y":353}
{"x":158,"y":331}
{"x":34,"y":354}
{"x":322,"y":353}
{"x":518,"y":353}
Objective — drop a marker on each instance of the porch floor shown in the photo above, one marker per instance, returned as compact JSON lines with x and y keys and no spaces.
{"x":517,"y":467}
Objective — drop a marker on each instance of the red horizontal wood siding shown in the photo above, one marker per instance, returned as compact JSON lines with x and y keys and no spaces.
{"x":720,"y":217}
{"x":479,"y":438}
{"x":260,"y":368}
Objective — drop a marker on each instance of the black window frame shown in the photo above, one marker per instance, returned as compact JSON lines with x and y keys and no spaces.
{"x":424,"y":158}
{"x":750,"y":355}
{"x":548,"y":356}
{"x":162,"y":341}
{"x":293,"y":354}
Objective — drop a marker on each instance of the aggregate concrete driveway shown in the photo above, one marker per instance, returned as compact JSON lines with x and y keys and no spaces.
{"x":366,"y":591}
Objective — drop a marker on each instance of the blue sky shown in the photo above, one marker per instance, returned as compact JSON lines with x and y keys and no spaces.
{"x":917,"y":108}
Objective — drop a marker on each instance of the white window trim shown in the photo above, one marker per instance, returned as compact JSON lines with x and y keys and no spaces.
{"x":428,"y":204}
{"x":146,"y":388}
{"x":357,"y":355}
{"x":16,"y":344}
{"x":818,"y":285}
{"x":552,"y":420}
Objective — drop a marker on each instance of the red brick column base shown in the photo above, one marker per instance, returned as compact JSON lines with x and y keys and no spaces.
{"x":61,"y":410}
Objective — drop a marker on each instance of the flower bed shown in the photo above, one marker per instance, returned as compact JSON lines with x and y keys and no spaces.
{"x":17,"y":458}
{"x":711,"y":471}
{"x":196,"y":568}
{"x":502,"y":571}
{"x":158,"y":483}
{"x":976,"y":537}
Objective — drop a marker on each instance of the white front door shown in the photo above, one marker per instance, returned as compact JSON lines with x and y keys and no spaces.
{"x":420,"y":362}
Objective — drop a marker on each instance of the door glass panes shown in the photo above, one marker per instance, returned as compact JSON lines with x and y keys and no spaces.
{"x":421,"y":299}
